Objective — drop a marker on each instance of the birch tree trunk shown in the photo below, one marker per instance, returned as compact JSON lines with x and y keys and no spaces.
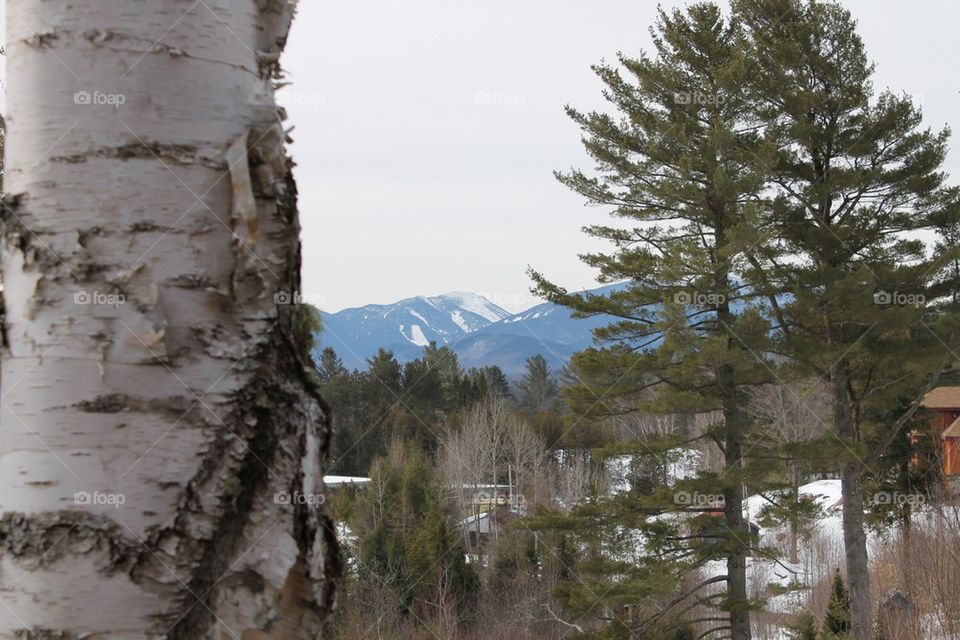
{"x":161,"y":431}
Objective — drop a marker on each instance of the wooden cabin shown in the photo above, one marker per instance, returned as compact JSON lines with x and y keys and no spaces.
{"x":943,"y":404}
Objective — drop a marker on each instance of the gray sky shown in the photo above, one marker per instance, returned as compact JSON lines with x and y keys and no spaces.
{"x":410,"y":186}
{"x":427,"y":131}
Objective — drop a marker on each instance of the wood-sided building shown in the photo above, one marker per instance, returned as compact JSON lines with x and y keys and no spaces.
{"x":943,"y":407}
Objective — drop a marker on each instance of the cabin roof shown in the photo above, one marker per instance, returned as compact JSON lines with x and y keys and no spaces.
{"x":953,"y":431}
{"x":942,"y":398}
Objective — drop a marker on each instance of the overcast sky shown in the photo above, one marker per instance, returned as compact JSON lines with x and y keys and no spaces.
{"x":427,"y":132}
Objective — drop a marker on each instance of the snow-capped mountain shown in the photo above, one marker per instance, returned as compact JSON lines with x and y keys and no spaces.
{"x":480,"y":332}
{"x":546,"y":329}
{"x":405,"y":327}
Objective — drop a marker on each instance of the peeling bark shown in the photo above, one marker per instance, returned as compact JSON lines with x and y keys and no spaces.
{"x":158,"y":400}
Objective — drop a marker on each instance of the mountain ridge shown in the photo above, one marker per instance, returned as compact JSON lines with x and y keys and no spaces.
{"x":479,"y":331}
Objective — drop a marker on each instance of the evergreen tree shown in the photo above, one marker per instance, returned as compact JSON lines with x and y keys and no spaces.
{"x":329,"y":366}
{"x":836,"y":621}
{"x":422,"y":406}
{"x":384,"y":374}
{"x":908,"y":475}
{"x":342,"y":392}
{"x":537,"y":390}
{"x":406,"y":543}
{"x":480,"y":383}
{"x":444,"y":360}
{"x":496,"y":381}
{"x":389,"y":401}
{"x":379,"y":389}
{"x":804,"y":628}
{"x":855,"y":180}
{"x":681,"y":165}
{"x":342,"y":389}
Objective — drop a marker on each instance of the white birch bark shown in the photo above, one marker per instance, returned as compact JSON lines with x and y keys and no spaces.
{"x":156,"y":392}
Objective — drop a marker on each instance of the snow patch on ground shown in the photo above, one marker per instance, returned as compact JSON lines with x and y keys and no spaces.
{"x":681,"y":465}
{"x":819,"y":553}
{"x":825,"y":493}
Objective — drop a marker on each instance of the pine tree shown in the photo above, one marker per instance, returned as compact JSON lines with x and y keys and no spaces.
{"x":681,"y":165}
{"x":855,"y":181}
{"x":329,"y":366}
{"x":836,"y":620}
{"x":341,"y":389}
{"x":537,"y":390}
{"x":379,"y":388}
{"x":908,"y":474}
{"x":424,"y":401}
{"x":804,"y":628}
{"x":444,"y":361}
{"x":480,"y":383}
{"x":405,"y":541}
{"x":496,"y":381}
{"x":389,"y":401}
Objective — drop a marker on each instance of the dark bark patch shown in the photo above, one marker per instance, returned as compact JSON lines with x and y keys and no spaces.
{"x":37,"y":256}
{"x":122,"y":402}
{"x":52,"y":535}
{"x":248,"y":579}
{"x":112,"y":403}
{"x":184,"y":154}
{"x":41,"y":633}
{"x":191,"y":281}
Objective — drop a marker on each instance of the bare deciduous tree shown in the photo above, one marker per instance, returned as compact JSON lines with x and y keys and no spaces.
{"x":791,"y":413}
{"x":491,"y":444}
{"x":711,"y":455}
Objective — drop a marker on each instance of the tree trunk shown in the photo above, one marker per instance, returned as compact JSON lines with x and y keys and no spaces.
{"x":733,"y":519}
{"x":794,"y":533}
{"x":161,"y":429}
{"x":738,"y":544}
{"x":854,"y":522}
{"x":735,"y":422}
